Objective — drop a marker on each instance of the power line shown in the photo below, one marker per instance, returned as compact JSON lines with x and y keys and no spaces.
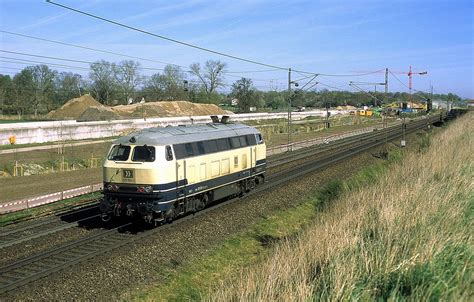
{"x":181,"y":42}
{"x":87,"y":48}
{"x":333,"y":87}
{"x":405,"y":85}
{"x":89,"y":62}
{"x":165,"y":38}
{"x":28,"y":62}
{"x":349,"y":75}
{"x":117,"y":53}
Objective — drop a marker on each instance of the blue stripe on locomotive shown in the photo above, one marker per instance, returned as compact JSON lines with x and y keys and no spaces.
{"x":165,"y":194}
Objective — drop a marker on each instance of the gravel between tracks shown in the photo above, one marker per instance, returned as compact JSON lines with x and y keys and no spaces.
{"x":38,"y":245}
{"x":112,"y":276}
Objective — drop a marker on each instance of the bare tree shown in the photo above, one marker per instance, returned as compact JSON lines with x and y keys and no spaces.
{"x":103,"y":84}
{"x":211,"y":75}
{"x":127,"y":75}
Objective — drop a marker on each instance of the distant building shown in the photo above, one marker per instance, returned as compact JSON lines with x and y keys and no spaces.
{"x":470,"y":104}
{"x":234,"y":102}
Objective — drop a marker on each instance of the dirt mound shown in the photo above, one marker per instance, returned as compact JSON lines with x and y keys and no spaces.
{"x":165,"y":109}
{"x":86,"y":108}
{"x":74,"y":108}
{"x":98,"y":113}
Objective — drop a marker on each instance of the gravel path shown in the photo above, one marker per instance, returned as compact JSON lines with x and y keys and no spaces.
{"x":112,"y":276}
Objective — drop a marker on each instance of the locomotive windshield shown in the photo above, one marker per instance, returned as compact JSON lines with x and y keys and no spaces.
{"x":143,"y":153}
{"x":119,"y":152}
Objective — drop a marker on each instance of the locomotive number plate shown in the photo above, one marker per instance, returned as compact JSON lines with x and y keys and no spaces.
{"x":127,"y":173}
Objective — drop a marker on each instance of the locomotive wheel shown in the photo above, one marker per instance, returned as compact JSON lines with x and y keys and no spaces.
{"x":170,"y":215}
{"x":202,"y":202}
{"x":259,"y":180}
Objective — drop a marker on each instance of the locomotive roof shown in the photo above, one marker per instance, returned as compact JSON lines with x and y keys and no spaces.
{"x":185,"y":134}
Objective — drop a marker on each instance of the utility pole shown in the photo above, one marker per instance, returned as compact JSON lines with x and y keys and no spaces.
{"x":386,"y":80}
{"x":289,"y":109}
{"x":404,"y":125}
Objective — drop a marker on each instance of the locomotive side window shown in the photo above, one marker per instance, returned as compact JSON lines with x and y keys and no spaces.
{"x":259,"y":139}
{"x":119,"y":153}
{"x":243,"y":141}
{"x":235,"y":142}
{"x":143,"y":154}
{"x":169,"y":153}
{"x":210,"y":146}
{"x":200,"y":147}
{"x":223,"y":144}
{"x":189,"y":149}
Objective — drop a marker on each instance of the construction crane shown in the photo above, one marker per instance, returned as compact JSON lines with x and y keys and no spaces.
{"x":410,"y":74}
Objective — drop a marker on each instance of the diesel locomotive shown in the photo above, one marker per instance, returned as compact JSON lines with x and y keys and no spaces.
{"x":158,"y":174}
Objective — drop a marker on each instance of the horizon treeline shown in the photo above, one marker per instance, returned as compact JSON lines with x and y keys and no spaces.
{"x":39,"y":89}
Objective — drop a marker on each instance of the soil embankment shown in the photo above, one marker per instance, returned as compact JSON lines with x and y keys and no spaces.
{"x":86,"y":108}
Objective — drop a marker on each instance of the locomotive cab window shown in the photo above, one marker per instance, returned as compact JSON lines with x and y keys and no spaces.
{"x":143,"y":154}
{"x":259,"y":139}
{"x":119,"y":153}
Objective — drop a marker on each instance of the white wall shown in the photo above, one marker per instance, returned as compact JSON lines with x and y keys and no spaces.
{"x":42,"y":132}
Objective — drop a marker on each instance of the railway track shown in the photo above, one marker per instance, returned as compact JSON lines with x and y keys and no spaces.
{"x":49,"y":225}
{"x":76,"y":218}
{"x":27,"y":270}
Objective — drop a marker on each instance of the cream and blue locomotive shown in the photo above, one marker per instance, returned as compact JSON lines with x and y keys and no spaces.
{"x":161,"y":173}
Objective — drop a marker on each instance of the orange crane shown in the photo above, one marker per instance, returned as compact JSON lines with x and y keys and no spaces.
{"x":410,"y":74}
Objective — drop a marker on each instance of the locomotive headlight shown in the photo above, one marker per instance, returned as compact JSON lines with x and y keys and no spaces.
{"x":112,"y":188}
{"x":147,"y":189}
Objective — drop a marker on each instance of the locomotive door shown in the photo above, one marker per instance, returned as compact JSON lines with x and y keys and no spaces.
{"x":253,"y":159}
{"x":180,"y":179}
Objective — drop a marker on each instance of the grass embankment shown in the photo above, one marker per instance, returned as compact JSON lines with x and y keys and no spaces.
{"x":407,"y":235}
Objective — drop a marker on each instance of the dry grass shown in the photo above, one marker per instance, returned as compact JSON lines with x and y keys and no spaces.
{"x":407,"y":236}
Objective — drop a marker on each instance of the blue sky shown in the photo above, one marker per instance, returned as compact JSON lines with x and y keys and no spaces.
{"x":329,"y":37}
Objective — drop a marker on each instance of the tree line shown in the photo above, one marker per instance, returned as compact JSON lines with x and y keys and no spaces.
{"x":39,"y":89}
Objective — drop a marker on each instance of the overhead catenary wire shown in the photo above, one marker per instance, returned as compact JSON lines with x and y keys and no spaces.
{"x":401,"y":82}
{"x":363,"y":90}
